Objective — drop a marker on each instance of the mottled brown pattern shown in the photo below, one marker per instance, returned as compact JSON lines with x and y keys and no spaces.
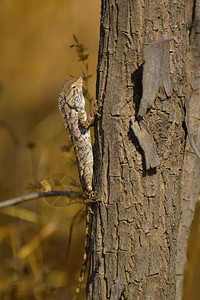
{"x":72,"y":108}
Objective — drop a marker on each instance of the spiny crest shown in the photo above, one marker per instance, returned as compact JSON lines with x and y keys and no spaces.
{"x":61,"y":104}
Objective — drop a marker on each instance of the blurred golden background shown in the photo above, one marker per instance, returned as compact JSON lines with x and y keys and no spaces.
{"x":36,"y":58}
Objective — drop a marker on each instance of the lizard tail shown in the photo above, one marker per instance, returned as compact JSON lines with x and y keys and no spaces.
{"x":85,"y":256}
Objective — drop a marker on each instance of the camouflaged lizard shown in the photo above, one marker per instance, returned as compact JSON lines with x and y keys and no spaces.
{"x":72,"y":108}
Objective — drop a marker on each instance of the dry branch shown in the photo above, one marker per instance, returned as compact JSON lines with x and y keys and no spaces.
{"x":32,"y":196}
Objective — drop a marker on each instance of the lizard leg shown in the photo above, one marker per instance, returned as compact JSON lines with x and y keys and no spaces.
{"x":90,"y":197}
{"x":90,"y":120}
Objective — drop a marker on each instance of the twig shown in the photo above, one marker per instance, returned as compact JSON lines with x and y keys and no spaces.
{"x":70,"y":232}
{"x":32,"y":196}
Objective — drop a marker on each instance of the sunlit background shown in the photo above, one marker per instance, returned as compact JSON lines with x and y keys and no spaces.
{"x":37,"y":259}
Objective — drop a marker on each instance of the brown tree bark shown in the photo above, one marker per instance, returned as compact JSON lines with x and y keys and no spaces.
{"x":135,"y":229}
{"x":191,"y":167}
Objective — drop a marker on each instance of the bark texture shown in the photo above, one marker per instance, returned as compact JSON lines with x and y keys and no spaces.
{"x":135,"y":229}
{"x":191,"y":167}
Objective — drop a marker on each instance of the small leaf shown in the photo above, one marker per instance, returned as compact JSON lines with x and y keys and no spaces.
{"x":75,"y":38}
{"x":83,"y":57}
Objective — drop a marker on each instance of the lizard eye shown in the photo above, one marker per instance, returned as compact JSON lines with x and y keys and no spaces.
{"x":73,"y":86}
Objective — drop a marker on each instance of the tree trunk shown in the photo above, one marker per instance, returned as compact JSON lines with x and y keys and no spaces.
{"x":191,"y":167}
{"x":135,"y":229}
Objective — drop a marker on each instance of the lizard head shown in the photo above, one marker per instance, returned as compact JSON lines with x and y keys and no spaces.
{"x":72,"y":89}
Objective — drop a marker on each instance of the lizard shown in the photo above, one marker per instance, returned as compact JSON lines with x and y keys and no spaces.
{"x":72,"y":108}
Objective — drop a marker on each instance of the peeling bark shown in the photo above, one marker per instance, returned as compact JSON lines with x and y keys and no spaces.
{"x":155,"y":74}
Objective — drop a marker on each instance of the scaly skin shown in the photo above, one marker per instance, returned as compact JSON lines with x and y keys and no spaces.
{"x":72,"y":108}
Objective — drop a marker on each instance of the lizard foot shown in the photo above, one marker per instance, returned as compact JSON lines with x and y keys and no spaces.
{"x":90,"y":197}
{"x":97,"y":107}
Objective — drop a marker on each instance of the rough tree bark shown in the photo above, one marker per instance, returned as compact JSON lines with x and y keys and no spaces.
{"x":191,"y":166}
{"x":135,"y":229}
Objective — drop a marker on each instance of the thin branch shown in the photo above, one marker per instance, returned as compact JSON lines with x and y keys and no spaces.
{"x":70,"y":233}
{"x":32,"y":196}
